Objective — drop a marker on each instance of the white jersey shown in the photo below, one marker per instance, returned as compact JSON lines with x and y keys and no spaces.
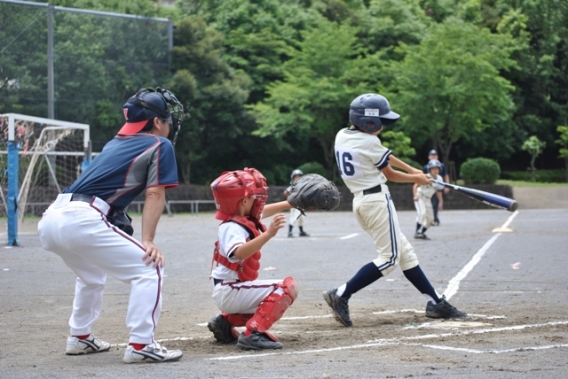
{"x":429,"y":191}
{"x":360,"y":156}
{"x":231,"y":236}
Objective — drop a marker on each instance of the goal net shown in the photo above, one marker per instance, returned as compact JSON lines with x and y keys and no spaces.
{"x":39,"y":158}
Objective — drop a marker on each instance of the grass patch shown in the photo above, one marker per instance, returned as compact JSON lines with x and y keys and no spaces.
{"x":522,"y":183}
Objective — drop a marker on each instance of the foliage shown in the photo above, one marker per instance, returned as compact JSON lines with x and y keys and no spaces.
{"x":313,"y":168}
{"x":480,"y":171}
{"x":449,"y":85}
{"x":534,"y":147}
{"x":542,"y":176}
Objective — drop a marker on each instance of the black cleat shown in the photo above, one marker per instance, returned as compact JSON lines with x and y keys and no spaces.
{"x":443,"y":310}
{"x":221,"y":329}
{"x":421,"y":236}
{"x":339,"y":306}
{"x":304,"y":234}
{"x":257,"y":341}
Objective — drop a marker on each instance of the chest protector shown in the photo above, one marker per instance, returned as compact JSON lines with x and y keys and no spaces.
{"x":248,"y":269}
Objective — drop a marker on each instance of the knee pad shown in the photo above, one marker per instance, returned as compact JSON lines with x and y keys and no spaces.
{"x":273,"y":306}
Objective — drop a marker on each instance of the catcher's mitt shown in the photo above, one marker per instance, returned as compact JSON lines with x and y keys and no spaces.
{"x":313,"y":191}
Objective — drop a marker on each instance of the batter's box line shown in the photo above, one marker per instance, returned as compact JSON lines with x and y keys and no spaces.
{"x":401,"y":340}
{"x":422,"y":312}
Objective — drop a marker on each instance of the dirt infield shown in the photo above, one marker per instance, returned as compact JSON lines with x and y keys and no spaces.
{"x":512,"y":284}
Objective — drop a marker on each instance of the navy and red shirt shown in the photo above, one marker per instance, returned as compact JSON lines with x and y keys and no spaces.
{"x":127,"y":166}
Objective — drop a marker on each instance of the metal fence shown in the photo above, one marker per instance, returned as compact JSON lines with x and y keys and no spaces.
{"x":72,"y":64}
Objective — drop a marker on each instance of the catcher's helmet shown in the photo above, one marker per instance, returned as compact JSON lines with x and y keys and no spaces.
{"x":434,"y":163}
{"x":296,"y":172}
{"x":147,"y":104}
{"x":233,"y":186}
{"x":369,"y":112}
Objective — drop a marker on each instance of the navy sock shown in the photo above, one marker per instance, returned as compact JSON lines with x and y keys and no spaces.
{"x":422,"y":284}
{"x":418,"y":226}
{"x":365,"y":276}
{"x":290,"y":227}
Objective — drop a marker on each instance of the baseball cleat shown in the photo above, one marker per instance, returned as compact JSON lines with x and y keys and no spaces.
{"x":221,"y":329}
{"x":421,"y":236}
{"x":89,"y":345}
{"x":154,"y":353}
{"x":304,"y":234}
{"x":443,"y":310}
{"x":257,"y":341}
{"x":339,"y":306}
{"x":290,"y":235}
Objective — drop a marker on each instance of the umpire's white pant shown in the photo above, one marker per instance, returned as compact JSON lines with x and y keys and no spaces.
{"x":80,"y":234}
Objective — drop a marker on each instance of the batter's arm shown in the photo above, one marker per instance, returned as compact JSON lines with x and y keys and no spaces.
{"x":395,"y":162}
{"x":153,"y":209}
{"x":401,"y":177}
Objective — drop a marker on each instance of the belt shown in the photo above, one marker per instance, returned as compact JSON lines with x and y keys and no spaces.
{"x":375,"y":189}
{"x":217,"y":281}
{"x":94,"y":201}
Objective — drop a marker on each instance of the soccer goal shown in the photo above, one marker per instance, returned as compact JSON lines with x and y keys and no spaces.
{"x":39,"y":157}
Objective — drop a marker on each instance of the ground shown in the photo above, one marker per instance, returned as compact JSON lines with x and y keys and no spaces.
{"x":512,"y":284}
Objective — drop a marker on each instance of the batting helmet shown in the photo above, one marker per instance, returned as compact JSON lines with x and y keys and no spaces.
{"x":369,"y":112}
{"x":434,"y":163}
{"x":296,"y":172}
{"x":233,"y":186}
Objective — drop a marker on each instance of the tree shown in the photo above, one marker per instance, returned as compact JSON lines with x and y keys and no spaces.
{"x":534,"y":147}
{"x":563,"y":142}
{"x":450,"y":84}
{"x":322,"y":76}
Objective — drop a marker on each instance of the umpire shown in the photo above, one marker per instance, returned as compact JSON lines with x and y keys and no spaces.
{"x":433,"y":154}
{"x":89,"y":229}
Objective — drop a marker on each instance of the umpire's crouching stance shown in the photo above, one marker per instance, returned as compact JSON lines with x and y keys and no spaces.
{"x":88,"y":228}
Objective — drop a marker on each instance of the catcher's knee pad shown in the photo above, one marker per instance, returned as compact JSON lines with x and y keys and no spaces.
{"x":273,"y":306}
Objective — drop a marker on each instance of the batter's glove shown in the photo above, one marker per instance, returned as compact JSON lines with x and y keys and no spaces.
{"x":313,"y":191}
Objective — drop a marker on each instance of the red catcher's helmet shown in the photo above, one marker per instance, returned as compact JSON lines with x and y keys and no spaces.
{"x":233,"y":186}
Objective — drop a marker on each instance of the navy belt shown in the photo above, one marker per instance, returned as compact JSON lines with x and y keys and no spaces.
{"x":81,"y":197}
{"x":375,"y":189}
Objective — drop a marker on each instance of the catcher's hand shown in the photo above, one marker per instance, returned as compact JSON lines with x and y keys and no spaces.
{"x":313,"y":191}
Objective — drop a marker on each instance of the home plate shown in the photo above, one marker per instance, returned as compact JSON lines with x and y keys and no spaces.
{"x":502,"y":230}
{"x":457,"y":324}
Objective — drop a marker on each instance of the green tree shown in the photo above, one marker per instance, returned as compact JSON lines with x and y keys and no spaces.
{"x":322,"y":77}
{"x":563,"y":142}
{"x":450,"y":84}
{"x":534,"y":147}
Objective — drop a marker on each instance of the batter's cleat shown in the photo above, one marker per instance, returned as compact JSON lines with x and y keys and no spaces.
{"x":154,"y":353}
{"x":304,"y":234}
{"x":76,"y":346}
{"x":221,"y":329}
{"x":339,"y":306}
{"x":443,"y":310}
{"x":257,"y":341}
{"x":421,"y":236}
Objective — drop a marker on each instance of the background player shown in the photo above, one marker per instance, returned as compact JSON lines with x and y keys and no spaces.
{"x":433,"y":154}
{"x":365,"y":166}
{"x":423,"y":200}
{"x":295,"y":215}
{"x":82,"y":226}
{"x":240,"y":197}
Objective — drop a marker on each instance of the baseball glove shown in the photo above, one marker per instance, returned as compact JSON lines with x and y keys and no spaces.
{"x":313,"y":191}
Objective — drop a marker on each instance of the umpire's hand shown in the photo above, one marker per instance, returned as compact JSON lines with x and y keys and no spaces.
{"x":153,"y":255}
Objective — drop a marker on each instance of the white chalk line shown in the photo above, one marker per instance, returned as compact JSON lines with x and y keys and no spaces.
{"x":398,"y":341}
{"x":349,"y":236}
{"x":454,"y":283}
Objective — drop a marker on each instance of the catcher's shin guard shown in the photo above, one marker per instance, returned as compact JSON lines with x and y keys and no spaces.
{"x":273,"y":307}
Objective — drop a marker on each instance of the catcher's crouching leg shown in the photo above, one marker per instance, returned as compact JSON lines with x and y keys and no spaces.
{"x":273,"y":307}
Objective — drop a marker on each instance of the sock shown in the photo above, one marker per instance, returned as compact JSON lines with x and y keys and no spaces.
{"x":301,"y":229}
{"x":341,"y":289}
{"x":83,"y":337}
{"x":418,"y":226}
{"x":290,"y":227}
{"x":423,"y":230}
{"x":422,"y":284}
{"x":365,"y":276}
{"x":137,"y":346}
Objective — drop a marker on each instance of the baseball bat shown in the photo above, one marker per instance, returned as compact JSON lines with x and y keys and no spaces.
{"x":488,"y":198}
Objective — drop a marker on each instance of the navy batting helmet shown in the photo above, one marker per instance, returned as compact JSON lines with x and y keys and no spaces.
{"x":369,"y":112}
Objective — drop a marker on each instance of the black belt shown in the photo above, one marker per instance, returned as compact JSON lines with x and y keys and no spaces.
{"x":217,"y":281}
{"x":375,"y":189}
{"x":81,"y":197}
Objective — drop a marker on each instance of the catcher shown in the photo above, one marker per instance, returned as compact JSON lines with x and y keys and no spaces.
{"x":240,"y":198}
